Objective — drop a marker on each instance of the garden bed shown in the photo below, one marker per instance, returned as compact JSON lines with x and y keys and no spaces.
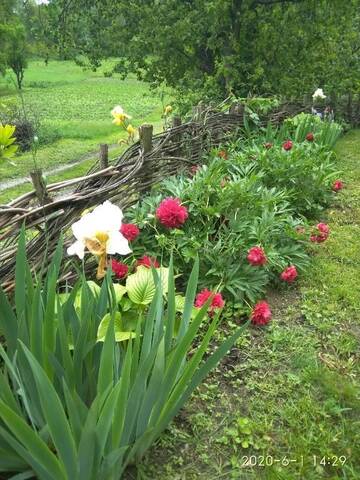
{"x":120,"y":360}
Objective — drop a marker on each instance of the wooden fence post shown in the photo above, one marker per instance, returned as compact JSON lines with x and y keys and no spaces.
{"x":104,"y":156}
{"x":176,"y":121}
{"x":145,"y":135}
{"x":40,"y":187}
{"x":198,"y":111}
{"x":236,"y":109}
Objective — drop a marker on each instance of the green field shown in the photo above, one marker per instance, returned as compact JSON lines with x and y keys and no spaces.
{"x":73,"y":108}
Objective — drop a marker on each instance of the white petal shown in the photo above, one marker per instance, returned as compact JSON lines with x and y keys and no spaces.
{"x":117,"y":110}
{"x":85,"y":227}
{"x":77,"y":248}
{"x":117,"y":243}
{"x":108,"y":217}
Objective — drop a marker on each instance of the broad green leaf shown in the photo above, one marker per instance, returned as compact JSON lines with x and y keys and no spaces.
{"x":120,"y":335}
{"x":104,"y":325}
{"x":141,"y":286}
{"x":129,"y":319}
{"x":120,"y":291}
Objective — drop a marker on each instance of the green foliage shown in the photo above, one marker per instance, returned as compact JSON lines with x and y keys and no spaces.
{"x":325,"y":133}
{"x":78,"y":400}
{"x":7,"y":147}
{"x":257,"y":197}
{"x":297,"y":381}
{"x":214,"y":48}
{"x":304,"y":173}
{"x":25,"y":122}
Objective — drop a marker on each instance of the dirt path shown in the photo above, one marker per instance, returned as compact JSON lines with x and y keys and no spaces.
{"x":15,"y":182}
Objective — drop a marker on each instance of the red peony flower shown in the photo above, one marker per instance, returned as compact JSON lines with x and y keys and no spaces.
{"x":288,"y":145}
{"x":323,"y":228}
{"x":147,"y":262}
{"x":223,"y":154}
{"x":261,"y":314}
{"x":256,"y":256}
{"x":337,"y":185}
{"x":323,"y":234}
{"x":130,"y":231}
{"x":310,"y":137}
{"x":289,"y":274}
{"x":171,"y":213}
{"x":204,"y":295}
{"x":120,"y":269}
{"x":268,"y":145}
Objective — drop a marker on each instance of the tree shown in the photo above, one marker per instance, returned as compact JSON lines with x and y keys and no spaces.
{"x":217,"y":47}
{"x":17,"y":52}
{"x":13,"y":40}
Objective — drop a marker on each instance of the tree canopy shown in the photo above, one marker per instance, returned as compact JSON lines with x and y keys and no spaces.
{"x":201,"y":47}
{"x":220,"y":46}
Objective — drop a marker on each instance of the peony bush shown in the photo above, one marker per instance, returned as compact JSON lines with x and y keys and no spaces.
{"x":249,"y":212}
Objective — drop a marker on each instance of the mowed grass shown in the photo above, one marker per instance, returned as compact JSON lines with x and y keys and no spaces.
{"x":285,"y":403}
{"x":73,"y":108}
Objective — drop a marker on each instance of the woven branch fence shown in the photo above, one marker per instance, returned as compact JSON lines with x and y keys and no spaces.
{"x":49,"y":210}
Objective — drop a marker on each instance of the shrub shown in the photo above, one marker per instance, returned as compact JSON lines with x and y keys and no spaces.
{"x":92,"y":376}
{"x":26,"y":125}
{"x":253,"y":193}
{"x":304,"y":172}
{"x":229,"y":211}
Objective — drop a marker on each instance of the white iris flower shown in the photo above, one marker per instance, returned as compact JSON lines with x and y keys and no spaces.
{"x":99,"y":233}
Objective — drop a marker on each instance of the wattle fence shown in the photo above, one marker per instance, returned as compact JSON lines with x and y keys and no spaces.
{"x":51,"y":209}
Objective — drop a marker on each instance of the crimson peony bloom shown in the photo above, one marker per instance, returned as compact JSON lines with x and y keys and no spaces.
{"x":204,"y":295}
{"x":171,"y":213}
{"x":147,"y":262}
{"x":337,"y":185}
{"x":310,"y":137}
{"x":268,"y":145}
{"x":223,"y":154}
{"x":323,"y":234}
{"x":323,"y":228}
{"x":288,"y":145}
{"x":120,"y":269}
{"x":261,"y":314}
{"x":256,"y":256}
{"x":289,"y":274}
{"x":130,"y":231}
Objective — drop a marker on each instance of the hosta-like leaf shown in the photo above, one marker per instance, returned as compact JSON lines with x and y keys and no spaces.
{"x":120,"y":335}
{"x":120,"y":291}
{"x":141,"y":286}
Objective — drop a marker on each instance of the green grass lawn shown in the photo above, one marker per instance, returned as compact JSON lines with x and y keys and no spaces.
{"x":73,"y":107}
{"x":285,"y":403}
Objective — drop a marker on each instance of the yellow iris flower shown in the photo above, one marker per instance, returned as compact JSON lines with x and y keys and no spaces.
{"x":131,"y":130}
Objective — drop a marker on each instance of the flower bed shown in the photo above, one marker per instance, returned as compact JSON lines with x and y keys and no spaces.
{"x":92,"y":375}
{"x":251,"y":212}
